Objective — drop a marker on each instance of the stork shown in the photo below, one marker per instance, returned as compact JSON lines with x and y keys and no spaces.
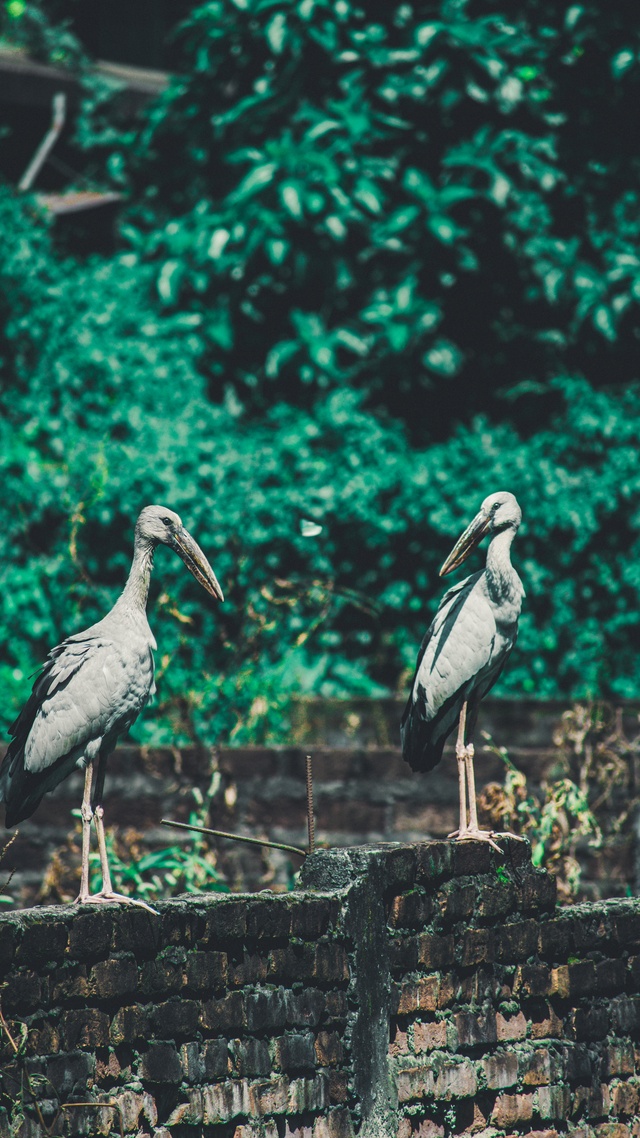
{"x":464,"y":652}
{"x":91,"y":689}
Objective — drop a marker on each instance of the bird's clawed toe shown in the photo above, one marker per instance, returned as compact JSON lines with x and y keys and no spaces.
{"x":105,"y":897}
{"x":472,"y":835}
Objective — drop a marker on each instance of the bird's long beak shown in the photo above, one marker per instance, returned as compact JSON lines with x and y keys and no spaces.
{"x":196,"y":562}
{"x":465,"y":544}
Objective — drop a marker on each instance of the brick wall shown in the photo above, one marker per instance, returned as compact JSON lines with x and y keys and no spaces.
{"x":364,"y":793}
{"x":416,"y":991}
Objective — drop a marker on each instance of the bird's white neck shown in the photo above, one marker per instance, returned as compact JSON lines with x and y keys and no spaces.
{"x":136,"y":591}
{"x":503,"y":583}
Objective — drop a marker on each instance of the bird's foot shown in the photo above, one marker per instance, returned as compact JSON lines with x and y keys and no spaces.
{"x":106,"y":896}
{"x":470,"y":835}
{"x":508,"y":834}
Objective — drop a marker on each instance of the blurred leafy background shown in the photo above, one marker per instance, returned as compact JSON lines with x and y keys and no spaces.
{"x":374,"y":262}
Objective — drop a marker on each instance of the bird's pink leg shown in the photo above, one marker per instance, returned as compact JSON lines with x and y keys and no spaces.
{"x":469,"y":830}
{"x":87,"y":815}
{"x":108,"y":893}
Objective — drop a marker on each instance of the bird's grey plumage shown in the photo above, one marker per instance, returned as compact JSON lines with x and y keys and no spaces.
{"x":467,"y":644}
{"x":95,"y":684}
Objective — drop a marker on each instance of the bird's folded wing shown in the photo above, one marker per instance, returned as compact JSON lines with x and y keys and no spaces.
{"x":88,"y":689}
{"x":460,"y":646}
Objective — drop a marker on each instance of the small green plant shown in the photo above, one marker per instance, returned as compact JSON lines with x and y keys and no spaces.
{"x":153,"y":875}
{"x":555,"y":819}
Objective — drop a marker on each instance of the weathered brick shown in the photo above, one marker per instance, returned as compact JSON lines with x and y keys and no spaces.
{"x":41,"y":944}
{"x":269,"y":917}
{"x":138,"y":931}
{"x":474,"y":1028}
{"x":591,"y":1102}
{"x":206,"y":971}
{"x":306,"y":1008}
{"x":512,"y":1027}
{"x":295,"y":1051}
{"x":435,"y":951}
{"x":553,"y":1102}
{"x":582,"y":979}
{"x":456,"y":901}
{"x":129,"y":1025}
{"x":399,"y":1042}
{"x":473,"y":858}
{"x":175,"y":1018}
{"x":225,"y":1015}
{"x":84,"y":1028}
{"x":625,"y":1099}
{"x":538,"y":892}
{"x":114,"y":978}
{"x":536,"y":980}
{"x":22,"y":992}
{"x":328,"y":1049}
{"x":249,"y":1057}
{"x":456,"y":1080}
{"x":43,"y":1039}
{"x":416,"y":995}
{"x":618,"y":1058}
{"x":160,"y":1063}
{"x":335,"y":1009}
{"x":610,"y":976}
{"x":501,"y":1070}
{"x":626,"y":927}
{"x":539,"y":1068}
{"x":495,"y":901}
{"x":69,"y":1074}
{"x":266,"y":1009}
{"x":69,"y":982}
{"x":516,"y":941}
{"x":165,"y":976}
{"x":335,"y":1124}
{"x":625,"y":1015}
{"x":311,"y":918}
{"x":511,"y":1109}
{"x":577,"y":1062}
{"x":475,"y":947}
{"x":331,"y":964}
{"x":225,"y":920}
{"x":590,"y":1023}
{"x":251,"y":968}
{"x":556,"y":940}
{"x":544,"y":1021}
{"x":411,"y":910}
{"x":434,"y":862}
{"x":215,"y":1058}
{"x":337,"y":1086}
{"x":429,"y":1036}
{"x":181,"y":924}
{"x":90,"y":934}
{"x":403,"y":954}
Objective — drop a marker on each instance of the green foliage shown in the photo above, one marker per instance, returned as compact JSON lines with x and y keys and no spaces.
{"x":166,"y":872}
{"x":426,"y":202}
{"x":376,"y":265}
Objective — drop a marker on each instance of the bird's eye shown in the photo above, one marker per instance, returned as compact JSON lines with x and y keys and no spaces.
{"x":167,"y":521}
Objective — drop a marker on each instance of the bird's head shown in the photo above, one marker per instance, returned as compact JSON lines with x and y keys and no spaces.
{"x":160,"y":526}
{"x":498,"y":512}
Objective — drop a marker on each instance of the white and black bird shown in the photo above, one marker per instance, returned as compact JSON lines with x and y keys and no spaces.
{"x":464,"y":652}
{"x":90,"y":691}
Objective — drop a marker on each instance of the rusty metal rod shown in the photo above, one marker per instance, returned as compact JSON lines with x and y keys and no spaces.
{"x":311,"y":822}
{"x":234,"y":837}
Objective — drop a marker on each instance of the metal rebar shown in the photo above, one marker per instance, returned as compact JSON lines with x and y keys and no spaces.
{"x":311,"y":822}
{"x":234,"y":837}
